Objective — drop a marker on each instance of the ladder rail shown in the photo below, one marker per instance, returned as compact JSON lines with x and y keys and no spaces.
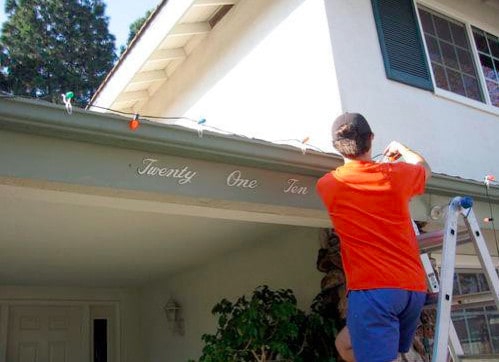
{"x":446,"y":338}
{"x":483,"y":253}
{"x":455,"y":348}
{"x":441,"y":342}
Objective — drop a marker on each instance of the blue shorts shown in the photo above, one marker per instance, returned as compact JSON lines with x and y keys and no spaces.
{"x":382,"y":322}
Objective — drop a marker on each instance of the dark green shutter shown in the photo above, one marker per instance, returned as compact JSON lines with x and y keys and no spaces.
{"x":401,"y":44}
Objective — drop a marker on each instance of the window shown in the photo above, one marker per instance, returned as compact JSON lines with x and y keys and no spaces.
{"x":477,"y":328}
{"x":100,"y":340}
{"x":488,"y":51}
{"x":463,"y":58}
{"x":450,"y":55}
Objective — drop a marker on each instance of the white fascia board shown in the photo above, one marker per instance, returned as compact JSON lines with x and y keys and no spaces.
{"x":160,"y":26}
{"x":191,"y":29}
{"x":215,"y":2}
{"x":132,"y":96}
{"x":168,"y":54}
{"x":151,"y":76}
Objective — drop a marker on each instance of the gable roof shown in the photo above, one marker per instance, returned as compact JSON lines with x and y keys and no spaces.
{"x":167,"y":38}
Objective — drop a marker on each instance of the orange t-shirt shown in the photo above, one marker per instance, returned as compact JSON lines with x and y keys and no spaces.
{"x":368,"y":204}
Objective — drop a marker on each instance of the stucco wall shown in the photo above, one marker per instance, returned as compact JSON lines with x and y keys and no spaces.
{"x":265,"y":71}
{"x":457,"y":139}
{"x":283,"y":69}
{"x":280,"y":261}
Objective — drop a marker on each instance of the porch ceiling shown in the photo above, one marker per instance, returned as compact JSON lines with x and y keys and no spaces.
{"x":46,"y":240}
{"x":492,"y":3}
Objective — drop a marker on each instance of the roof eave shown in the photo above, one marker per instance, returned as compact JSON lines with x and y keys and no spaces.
{"x":24,"y":115}
{"x":127,"y":51}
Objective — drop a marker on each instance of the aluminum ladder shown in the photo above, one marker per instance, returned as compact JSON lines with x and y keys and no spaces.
{"x":446,"y":340}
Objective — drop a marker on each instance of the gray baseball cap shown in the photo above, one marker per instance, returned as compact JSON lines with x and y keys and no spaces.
{"x":357,"y":122}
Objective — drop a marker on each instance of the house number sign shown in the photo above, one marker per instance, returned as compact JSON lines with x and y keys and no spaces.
{"x":234,"y":178}
{"x":183,"y":174}
{"x":295,"y":188}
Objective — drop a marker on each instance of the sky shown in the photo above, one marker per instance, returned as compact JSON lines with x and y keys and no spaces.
{"x":121,"y":14}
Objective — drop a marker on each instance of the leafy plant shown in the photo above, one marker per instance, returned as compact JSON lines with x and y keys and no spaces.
{"x":268,"y":326}
{"x":320,"y":331}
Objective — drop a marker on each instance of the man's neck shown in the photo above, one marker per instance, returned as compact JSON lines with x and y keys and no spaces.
{"x":366,"y":157}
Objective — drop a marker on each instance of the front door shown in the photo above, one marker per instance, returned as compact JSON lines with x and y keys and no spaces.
{"x":45,"y":334}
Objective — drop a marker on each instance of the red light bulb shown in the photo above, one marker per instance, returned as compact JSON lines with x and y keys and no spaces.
{"x":134,"y":123}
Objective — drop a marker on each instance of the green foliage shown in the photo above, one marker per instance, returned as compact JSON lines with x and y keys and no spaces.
{"x":266,"y":327}
{"x":320,"y":332}
{"x":134,"y":29}
{"x":136,"y":25}
{"x":49,"y":47}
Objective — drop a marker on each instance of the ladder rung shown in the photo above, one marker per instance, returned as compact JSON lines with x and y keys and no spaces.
{"x":472,"y":300}
{"x":433,"y":240}
{"x":480,"y":358}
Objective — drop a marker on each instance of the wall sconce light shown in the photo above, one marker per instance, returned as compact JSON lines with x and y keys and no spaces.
{"x":172,"y":310}
{"x":173,"y":313}
{"x":438,"y":212}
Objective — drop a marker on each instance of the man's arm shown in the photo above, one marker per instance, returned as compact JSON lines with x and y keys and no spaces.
{"x":395,"y":150}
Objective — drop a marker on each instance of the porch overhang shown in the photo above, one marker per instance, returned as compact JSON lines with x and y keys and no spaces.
{"x":45,"y":119}
{"x":88,"y":201}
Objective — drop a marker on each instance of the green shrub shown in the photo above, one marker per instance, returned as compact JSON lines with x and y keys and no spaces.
{"x":269,"y":326}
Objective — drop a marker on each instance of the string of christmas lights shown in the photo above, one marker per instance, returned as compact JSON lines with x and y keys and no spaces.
{"x":200,"y":124}
{"x":134,"y":124}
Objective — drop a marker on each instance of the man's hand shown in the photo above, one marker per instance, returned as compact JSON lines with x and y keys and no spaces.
{"x":395,"y":150}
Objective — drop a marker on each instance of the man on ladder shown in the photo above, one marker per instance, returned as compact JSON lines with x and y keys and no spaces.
{"x":368,"y":204}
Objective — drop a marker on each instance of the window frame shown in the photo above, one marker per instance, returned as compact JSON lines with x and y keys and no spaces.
{"x":466,"y":315}
{"x":486,"y":106}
